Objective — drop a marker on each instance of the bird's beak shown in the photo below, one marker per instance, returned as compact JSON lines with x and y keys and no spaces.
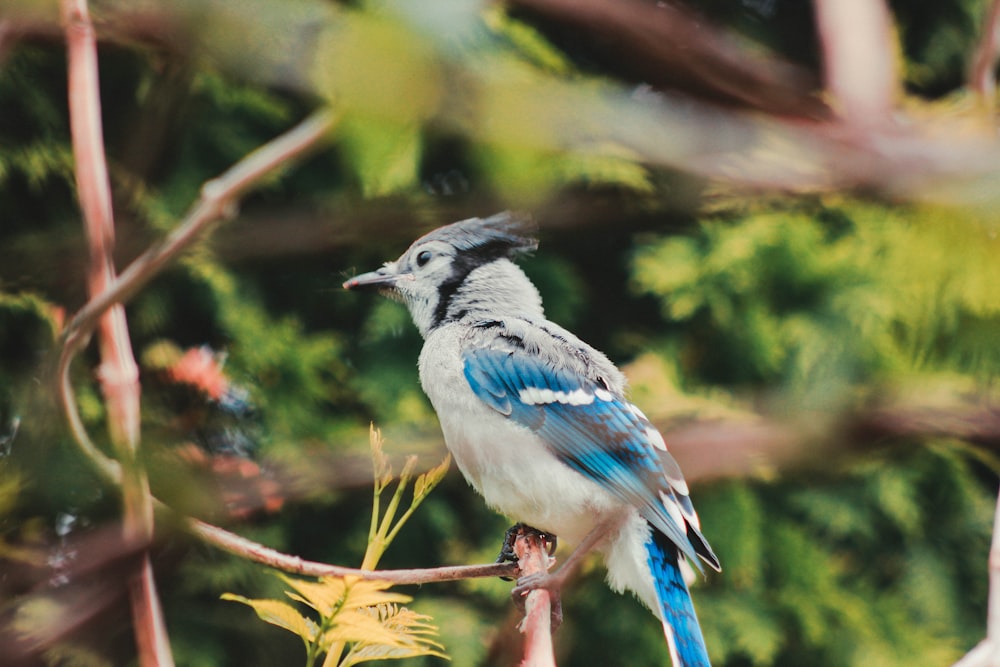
{"x":383,"y":278}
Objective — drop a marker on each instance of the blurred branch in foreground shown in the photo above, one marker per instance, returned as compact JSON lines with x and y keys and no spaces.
{"x":718,"y":448}
{"x":460,"y":84}
{"x":670,"y":47}
{"x":67,"y":592}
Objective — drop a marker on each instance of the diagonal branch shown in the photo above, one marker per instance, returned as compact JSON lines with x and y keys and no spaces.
{"x":218,"y":200}
{"x":671,"y":47}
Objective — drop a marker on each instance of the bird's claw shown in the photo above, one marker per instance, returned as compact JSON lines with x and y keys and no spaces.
{"x":507,"y":554}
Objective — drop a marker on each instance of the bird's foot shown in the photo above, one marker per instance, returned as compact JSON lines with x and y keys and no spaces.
{"x":507,"y":554}
{"x":541,"y":581}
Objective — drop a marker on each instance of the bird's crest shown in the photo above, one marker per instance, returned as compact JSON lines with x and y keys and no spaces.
{"x":505,"y":234}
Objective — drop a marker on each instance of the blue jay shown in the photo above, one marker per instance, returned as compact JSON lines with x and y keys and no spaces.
{"x":538,"y":422}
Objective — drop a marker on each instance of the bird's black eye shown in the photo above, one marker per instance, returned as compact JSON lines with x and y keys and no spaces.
{"x":423,"y":257}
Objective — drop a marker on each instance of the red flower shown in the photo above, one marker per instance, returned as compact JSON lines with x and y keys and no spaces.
{"x":201,"y":368}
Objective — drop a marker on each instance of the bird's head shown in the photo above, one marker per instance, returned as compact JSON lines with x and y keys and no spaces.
{"x":459,"y":268}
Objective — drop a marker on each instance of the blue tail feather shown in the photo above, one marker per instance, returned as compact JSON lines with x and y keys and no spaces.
{"x":680,"y":624}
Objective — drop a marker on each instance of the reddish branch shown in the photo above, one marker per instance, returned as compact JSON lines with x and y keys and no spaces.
{"x":669,"y":45}
{"x":982,"y":78}
{"x":533,"y":558}
{"x":861,"y":78}
{"x":119,"y":374}
{"x":789,"y":147}
{"x":258,"y":553}
{"x":218,"y":200}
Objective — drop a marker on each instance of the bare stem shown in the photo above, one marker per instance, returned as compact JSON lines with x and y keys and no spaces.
{"x":240,"y":546}
{"x":118,"y":373}
{"x":533,"y":558}
{"x":218,"y":200}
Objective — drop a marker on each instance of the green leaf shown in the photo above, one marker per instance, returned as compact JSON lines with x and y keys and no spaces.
{"x":280,"y":614}
{"x":372,"y":65}
{"x":384,"y":155}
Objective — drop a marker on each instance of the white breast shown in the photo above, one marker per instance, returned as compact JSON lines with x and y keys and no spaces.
{"x":505,"y":462}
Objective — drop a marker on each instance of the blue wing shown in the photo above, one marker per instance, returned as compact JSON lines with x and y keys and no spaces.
{"x":596,"y":433}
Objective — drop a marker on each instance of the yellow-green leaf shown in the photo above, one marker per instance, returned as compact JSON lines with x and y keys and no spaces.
{"x":425,"y":483}
{"x":330,"y":594}
{"x":357,"y":626}
{"x":280,"y":614}
{"x":411,"y":633}
{"x":383,"y":469}
{"x":324,"y":596}
{"x":370,"y":593}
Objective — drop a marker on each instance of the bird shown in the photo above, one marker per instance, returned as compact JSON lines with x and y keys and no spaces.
{"x":538,"y":421}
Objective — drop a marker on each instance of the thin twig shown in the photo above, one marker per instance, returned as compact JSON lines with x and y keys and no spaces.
{"x":258,"y":553}
{"x":218,"y":199}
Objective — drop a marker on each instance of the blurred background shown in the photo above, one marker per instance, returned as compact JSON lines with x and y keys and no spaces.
{"x":795,"y":262}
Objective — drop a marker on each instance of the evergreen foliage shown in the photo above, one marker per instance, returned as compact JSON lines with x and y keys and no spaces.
{"x":806,"y":309}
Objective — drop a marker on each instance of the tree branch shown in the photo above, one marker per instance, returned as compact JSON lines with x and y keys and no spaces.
{"x":918,"y":159}
{"x":258,"y":553}
{"x":218,"y":200}
{"x":748,"y":444}
{"x":669,"y":46}
{"x":118,"y":373}
{"x":533,"y":558}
